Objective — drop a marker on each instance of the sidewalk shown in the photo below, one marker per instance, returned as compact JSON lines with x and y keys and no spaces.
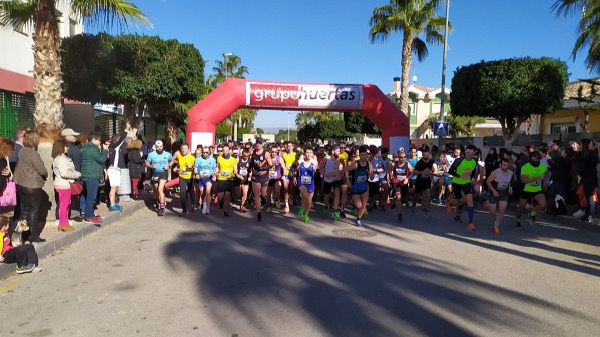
{"x":56,"y":240}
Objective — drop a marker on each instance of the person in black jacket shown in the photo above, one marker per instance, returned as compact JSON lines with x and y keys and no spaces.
{"x":135,"y":163}
{"x":588,"y":159}
{"x":117,"y":151}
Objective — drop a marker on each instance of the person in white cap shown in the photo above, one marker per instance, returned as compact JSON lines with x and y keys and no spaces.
{"x":74,"y":153}
{"x":158,"y":161}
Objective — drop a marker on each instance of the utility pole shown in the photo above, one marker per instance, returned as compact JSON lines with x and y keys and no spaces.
{"x":444,"y":69}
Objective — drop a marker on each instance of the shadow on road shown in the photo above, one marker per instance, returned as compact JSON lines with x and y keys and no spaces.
{"x":349,"y":287}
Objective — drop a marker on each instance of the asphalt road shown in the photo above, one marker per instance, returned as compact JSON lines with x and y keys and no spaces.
{"x":216,"y":276}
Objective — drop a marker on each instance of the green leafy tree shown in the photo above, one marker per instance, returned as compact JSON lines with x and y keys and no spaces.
{"x":509,"y":90}
{"x":143,"y":73}
{"x":589,"y":28}
{"x":357,"y":122}
{"x":327,"y":129}
{"x":42,"y":14}
{"x":418,"y":23}
{"x":282,"y":135}
{"x":459,"y":125}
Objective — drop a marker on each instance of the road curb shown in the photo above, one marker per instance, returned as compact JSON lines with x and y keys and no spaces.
{"x":67,"y":239}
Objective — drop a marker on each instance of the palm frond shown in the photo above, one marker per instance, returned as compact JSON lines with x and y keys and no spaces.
{"x":567,"y":7}
{"x":16,"y":13}
{"x":108,"y":13}
{"x":419,"y":48}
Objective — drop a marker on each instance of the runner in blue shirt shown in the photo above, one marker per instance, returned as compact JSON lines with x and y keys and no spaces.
{"x":204,"y":168}
{"x":159,"y":162}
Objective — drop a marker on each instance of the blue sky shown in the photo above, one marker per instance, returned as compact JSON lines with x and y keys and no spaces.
{"x":327,"y":40}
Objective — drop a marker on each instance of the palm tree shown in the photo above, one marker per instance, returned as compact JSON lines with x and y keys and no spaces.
{"x":589,"y":28}
{"x":42,"y":15}
{"x":231,"y":66}
{"x":416,"y":19}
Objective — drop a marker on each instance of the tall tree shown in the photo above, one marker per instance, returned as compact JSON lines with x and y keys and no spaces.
{"x":509,"y":90}
{"x":42,"y":15}
{"x":136,"y":71}
{"x":231,"y":66}
{"x":356,"y":122}
{"x":415,"y":19}
{"x":589,"y":28}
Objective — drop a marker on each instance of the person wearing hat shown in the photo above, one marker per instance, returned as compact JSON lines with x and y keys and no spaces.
{"x":74,"y":153}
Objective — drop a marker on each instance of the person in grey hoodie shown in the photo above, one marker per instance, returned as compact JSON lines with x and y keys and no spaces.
{"x":30,"y":176}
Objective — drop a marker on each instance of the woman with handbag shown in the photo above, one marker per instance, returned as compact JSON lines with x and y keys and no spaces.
{"x":30,"y":176}
{"x":8,"y":193}
{"x":64,"y":176}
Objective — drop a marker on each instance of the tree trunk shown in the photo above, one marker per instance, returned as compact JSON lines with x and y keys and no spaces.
{"x":406,"y":64}
{"x":171,"y":130}
{"x":235,"y":130}
{"x":46,"y":68}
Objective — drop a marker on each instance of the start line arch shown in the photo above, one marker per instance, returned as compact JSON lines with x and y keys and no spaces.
{"x":237,"y":93}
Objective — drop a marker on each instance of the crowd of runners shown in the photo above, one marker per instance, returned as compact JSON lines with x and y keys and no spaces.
{"x":355,"y":179}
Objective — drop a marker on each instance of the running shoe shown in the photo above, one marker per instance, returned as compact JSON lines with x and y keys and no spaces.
{"x":286,"y":210}
{"x":496,"y":230}
{"x":25,"y":269}
{"x":301,"y":213}
{"x":448,"y":205}
{"x":531,"y":217}
{"x":161,"y":211}
{"x":471,"y":227}
{"x":115,"y":208}
{"x":343,"y":214}
{"x":336,"y":215}
{"x":277,"y":205}
{"x":306,"y":218}
{"x":359,"y":223}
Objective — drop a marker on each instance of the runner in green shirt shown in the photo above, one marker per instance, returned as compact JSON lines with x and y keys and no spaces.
{"x":534,"y":175}
{"x":463,"y":172}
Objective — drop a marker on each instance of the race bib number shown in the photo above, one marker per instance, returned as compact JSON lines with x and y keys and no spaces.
{"x":401,"y":178}
{"x":466,"y":174}
{"x":244,"y":172}
{"x":536,"y":183}
{"x":224,"y":173}
{"x":425,"y":175}
{"x":204,"y":173}
{"x":306,"y":180}
{"x":272,"y":174}
{"x":502,"y":186}
{"x":361,"y":179}
{"x":380,"y":170}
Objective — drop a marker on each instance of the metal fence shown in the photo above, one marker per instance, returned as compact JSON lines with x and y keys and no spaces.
{"x":16,"y":110}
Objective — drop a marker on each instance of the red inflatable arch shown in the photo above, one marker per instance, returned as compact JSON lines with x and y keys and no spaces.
{"x":236,"y":93}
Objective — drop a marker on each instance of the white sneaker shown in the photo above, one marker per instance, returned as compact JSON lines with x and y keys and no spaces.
{"x":578,"y":214}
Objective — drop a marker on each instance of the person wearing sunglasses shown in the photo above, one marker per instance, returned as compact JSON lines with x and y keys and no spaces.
{"x":204,"y":168}
{"x":400,"y":173}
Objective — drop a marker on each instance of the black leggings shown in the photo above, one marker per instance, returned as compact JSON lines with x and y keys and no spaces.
{"x":31,"y":210}
{"x":22,"y":255}
{"x":186,"y":192}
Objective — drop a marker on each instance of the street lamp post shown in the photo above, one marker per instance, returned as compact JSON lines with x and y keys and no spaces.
{"x":443,"y":100}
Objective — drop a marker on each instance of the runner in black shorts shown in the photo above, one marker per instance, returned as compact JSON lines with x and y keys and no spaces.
{"x":261,"y":163}
{"x":242,"y":181}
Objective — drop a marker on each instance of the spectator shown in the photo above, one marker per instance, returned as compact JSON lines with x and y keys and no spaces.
{"x":135,"y":165}
{"x":23,"y":255}
{"x":492,"y":162}
{"x":93,"y":158}
{"x":30,"y":176}
{"x":589,"y":180}
{"x":116,"y":157}
{"x":18,"y":146}
{"x":64,"y":174}
{"x":6,"y":148}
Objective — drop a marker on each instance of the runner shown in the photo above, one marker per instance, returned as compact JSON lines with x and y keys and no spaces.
{"x":344,"y":155}
{"x":499,"y":184}
{"x":226,"y":171}
{"x":534,"y":175}
{"x":306,"y":183}
{"x":400,"y":173}
{"x":332,"y":169}
{"x":463,"y":172}
{"x":275,"y":173}
{"x":242,"y":183}
{"x":185,"y":163}
{"x":289,"y":160}
{"x":205,"y":166}
{"x":158,"y":161}
{"x":358,"y":173}
{"x":261,"y":163}
{"x":412,"y":160}
{"x":443,"y":179}
{"x":424,"y":171}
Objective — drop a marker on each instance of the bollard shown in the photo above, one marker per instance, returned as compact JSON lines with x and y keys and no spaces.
{"x":124,"y":189}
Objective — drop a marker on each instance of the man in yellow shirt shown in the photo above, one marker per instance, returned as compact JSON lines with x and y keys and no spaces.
{"x":185,"y":164}
{"x":226,"y":171}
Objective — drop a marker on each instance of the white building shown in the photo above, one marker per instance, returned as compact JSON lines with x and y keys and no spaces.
{"x":16,"y":69}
